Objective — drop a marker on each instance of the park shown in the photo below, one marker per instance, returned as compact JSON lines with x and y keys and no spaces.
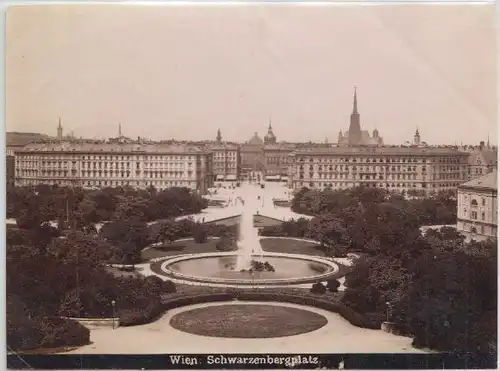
{"x":244,"y":269}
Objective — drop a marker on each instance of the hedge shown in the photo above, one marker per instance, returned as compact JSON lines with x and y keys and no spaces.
{"x":140,"y":316}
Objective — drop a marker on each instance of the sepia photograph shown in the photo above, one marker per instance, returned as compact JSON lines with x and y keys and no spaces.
{"x":251,"y":185}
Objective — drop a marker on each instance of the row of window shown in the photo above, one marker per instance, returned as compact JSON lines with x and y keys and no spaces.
{"x":360,"y":176}
{"x":381,"y":159}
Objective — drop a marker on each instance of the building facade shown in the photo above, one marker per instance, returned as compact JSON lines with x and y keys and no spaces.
{"x":252,"y":156}
{"x":276,"y":159}
{"x":394,"y":168}
{"x":477,"y":207}
{"x":104,"y":164}
{"x":14,"y":142}
{"x":226,"y":161}
{"x":482,"y":160}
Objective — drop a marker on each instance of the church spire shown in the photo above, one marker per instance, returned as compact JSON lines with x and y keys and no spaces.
{"x":354,"y":138}
{"x":59,"y":130}
{"x":355,"y":103}
{"x":219,"y":136}
{"x":119,"y":130}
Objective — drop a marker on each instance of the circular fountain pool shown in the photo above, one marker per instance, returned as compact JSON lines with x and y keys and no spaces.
{"x":220,"y":268}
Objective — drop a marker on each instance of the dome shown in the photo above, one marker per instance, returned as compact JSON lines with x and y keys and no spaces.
{"x":256,"y":140}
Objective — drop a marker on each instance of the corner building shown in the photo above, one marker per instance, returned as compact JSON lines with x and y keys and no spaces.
{"x":101,"y":164}
{"x":393,"y":168}
{"x":477,"y":207}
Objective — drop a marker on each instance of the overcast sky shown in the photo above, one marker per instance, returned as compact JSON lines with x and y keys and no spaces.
{"x":184,"y":71}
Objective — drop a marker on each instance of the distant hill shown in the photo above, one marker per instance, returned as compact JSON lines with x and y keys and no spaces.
{"x":17,"y":139}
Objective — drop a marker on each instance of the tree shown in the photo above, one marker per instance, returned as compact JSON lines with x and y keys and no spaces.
{"x":71,"y":305}
{"x":330,"y":231}
{"x":333,"y":285}
{"x":168,"y":231}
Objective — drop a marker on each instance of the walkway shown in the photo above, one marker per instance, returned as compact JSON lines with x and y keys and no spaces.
{"x":337,"y":336}
{"x":260,"y":199}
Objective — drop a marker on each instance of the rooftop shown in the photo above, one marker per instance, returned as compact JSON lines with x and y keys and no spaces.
{"x":385,"y":150}
{"x":92,"y":147}
{"x":17,"y":139}
{"x":488,"y":181}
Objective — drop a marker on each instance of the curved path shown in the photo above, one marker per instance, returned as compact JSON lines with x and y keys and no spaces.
{"x":337,"y":336}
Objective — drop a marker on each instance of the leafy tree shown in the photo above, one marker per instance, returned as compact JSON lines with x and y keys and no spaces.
{"x":168,"y":232}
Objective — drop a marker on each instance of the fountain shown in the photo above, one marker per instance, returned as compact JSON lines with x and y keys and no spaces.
{"x":249,"y":265}
{"x":248,"y":241}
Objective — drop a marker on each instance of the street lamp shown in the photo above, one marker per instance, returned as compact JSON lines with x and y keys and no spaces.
{"x":389,"y":310}
{"x":114,"y":315}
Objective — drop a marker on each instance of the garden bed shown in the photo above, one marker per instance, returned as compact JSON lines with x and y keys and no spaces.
{"x":247,"y":321}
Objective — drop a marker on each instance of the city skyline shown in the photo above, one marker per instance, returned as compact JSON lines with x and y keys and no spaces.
{"x":252,"y":64}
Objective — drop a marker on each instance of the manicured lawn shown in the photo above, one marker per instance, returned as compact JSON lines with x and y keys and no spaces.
{"x":260,"y":221}
{"x":290,"y":246}
{"x":179,"y":247}
{"x":247,"y":321}
{"x":226,"y":221}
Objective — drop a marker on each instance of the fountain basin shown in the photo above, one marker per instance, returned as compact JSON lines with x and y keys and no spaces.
{"x":220,"y":268}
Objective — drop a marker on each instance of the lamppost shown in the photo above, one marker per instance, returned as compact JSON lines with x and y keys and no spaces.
{"x":114,"y":315}
{"x":389,"y":310}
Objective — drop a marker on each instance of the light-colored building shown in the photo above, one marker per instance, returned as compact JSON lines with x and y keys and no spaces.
{"x":276,"y":159}
{"x":14,"y":142}
{"x":226,"y":161}
{"x":394,"y":168}
{"x":93,"y":164}
{"x":477,"y":207}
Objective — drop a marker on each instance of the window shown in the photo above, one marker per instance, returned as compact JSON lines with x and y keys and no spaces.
{"x":483,"y":201}
{"x":473,"y":214}
{"x":473,"y":203}
{"x":483,"y":215}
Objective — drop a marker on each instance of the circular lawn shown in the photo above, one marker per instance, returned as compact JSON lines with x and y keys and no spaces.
{"x":247,"y":321}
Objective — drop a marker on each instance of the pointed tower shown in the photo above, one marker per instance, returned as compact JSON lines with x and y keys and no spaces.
{"x":355,"y":127}
{"x":340,"y":138}
{"x":59,"y":130}
{"x":488,"y":143}
{"x":416,"y":138}
{"x":270,"y":138}
{"x":119,"y":130}
{"x":219,"y":137}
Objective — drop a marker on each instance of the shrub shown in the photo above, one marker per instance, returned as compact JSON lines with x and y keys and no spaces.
{"x":333,"y":285}
{"x":200,"y":235}
{"x":318,"y":288}
{"x":44,"y":332}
